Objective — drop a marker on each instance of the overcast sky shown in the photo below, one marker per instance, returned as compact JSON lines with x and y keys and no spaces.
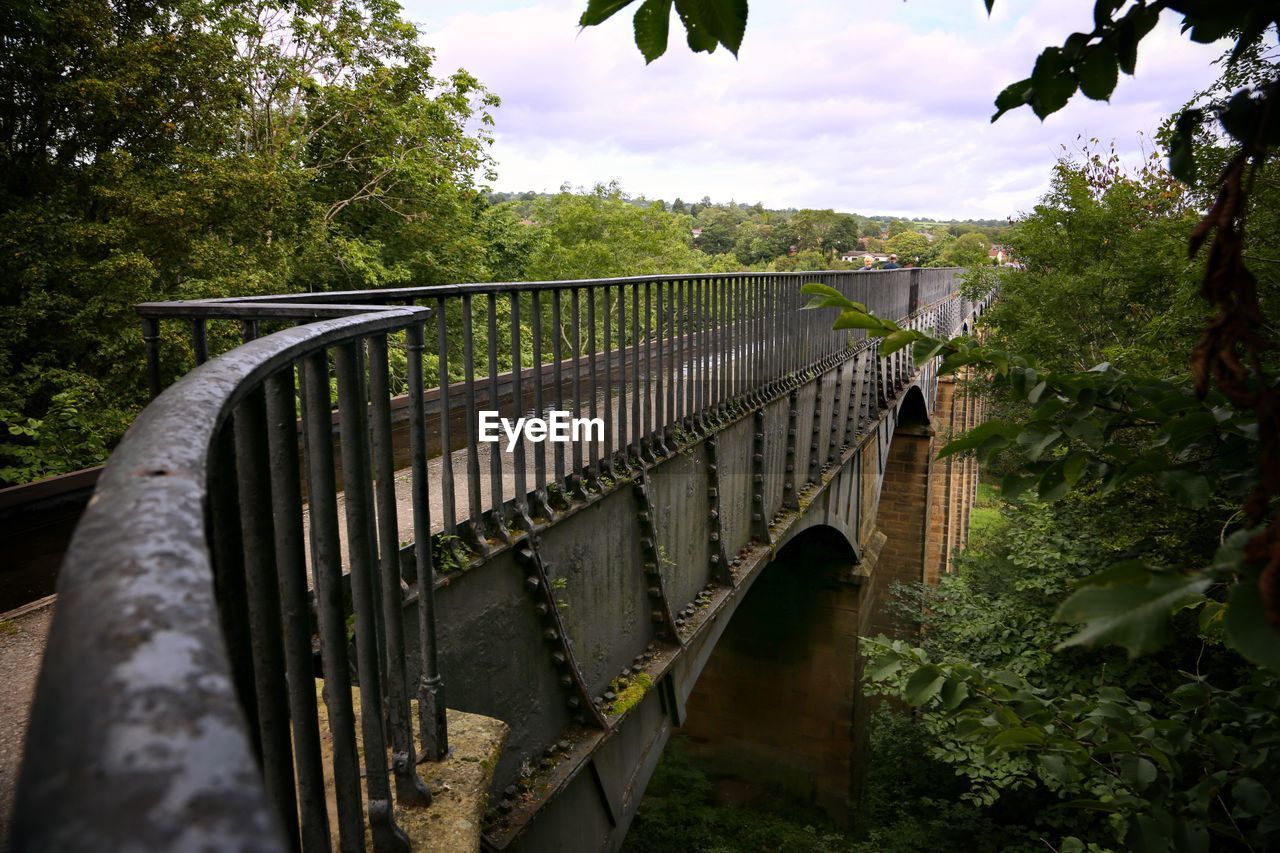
{"x":867,"y":106}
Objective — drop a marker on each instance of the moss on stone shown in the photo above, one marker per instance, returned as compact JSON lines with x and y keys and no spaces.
{"x":634,"y":692}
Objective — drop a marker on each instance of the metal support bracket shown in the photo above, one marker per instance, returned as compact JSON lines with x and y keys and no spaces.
{"x":538,"y":585}
{"x":664,"y":623}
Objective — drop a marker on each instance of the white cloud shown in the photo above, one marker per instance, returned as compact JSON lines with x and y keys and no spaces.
{"x":870,"y":107}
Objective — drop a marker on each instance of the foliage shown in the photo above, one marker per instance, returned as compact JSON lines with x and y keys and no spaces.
{"x":1197,"y":449}
{"x":679,"y":814}
{"x":598,"y":234}
{"x":1153,"y":774}
{"x":966,"y":250}
{"x":185,"y":149}
{"x":1104,"y":278}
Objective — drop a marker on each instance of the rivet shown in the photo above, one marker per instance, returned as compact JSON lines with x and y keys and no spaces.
{"x":550,"y":635}
{"x":532,"y":584}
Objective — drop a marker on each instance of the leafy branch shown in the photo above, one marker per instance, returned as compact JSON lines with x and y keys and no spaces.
{"x":1194,"y":448}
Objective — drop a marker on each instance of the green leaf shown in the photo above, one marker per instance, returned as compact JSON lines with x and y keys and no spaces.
{"x":855,"y":319}
{"x":1036,"y":439}
{"x":954,"y":692}
{"x":926,"y":353}
{"x":1073,"y":466}
{"x":923,"y":685}
{"x":1138,"y":772}
{"x":1130,"y":30}
{"x":652,"y":21}
{"x":1246,"y":628}
{"x":1052,"y":84}
{"x":1014,"y":739}
{"x":1188,"y":488}
{"x":1053,"y":95}
{"x":1012,"y":96}
{"x":1251,"y":797}
{"x":599,"y":11}
{"x":700,"y":39}
{"x":884,"y":666}
{"x":1135,"y":617}
{"x":896,"y":341}
{"x":1053,"y":484}
{"x":978,"y":436}
{"x":826,"y":296}
{"x":725,"y":20}
{"x":1097,"y":71}
{"x":1057,"y":768}
{"x":1012,"y":485}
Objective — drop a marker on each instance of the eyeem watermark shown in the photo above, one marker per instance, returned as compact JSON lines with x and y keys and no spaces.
{"x":557,"y":426}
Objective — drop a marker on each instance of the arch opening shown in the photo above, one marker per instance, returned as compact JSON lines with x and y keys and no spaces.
{"x":774,"y":707}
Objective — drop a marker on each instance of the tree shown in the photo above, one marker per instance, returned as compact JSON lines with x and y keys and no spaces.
{"x":912,"y":247}
{"x":182,"y":150}
{"x":719,"y":229}
{"x":598,"y":234}
{"x":967,"y":250}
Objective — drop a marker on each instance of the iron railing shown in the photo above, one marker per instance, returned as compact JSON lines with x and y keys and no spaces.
{"x":177,"y":709}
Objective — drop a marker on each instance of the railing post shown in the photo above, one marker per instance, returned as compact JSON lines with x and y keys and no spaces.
{"x":432,"y":719}
{"x":151,"y":339}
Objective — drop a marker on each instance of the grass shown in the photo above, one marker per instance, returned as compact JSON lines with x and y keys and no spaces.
{"x":984,"y":517}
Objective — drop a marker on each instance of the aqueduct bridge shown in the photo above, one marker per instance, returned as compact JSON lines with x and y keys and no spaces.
{"x":309,"y":504}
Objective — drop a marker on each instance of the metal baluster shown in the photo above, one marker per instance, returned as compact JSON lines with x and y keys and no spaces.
{"x":295,"y":611}
{"x":541,"y":507}
{"x":521,"y":497}
{"x":410,"y":790}
{"x":672,"y":361}
{"x":352,"y":412}
{"x":229,"y":576}
{"x":200,"y":339}
{"x":646,"y":418}
{"x":497,"y":511}
{"x":592,"y":367}
{"x":686,"y":352}
{"x":151,"y":340}
{"x":432,"y":720}
{"x":576,"y":480}
{"x":474,"y":525}
{"x":606,"y":304}
{"x":660,"y":402}
{"x":624,"y":389}
{"x":637,"y":403}
{"x":262,"y":594}
{"x":326,"y":559}
{"x":557,"y":366}
{"x":447,"y":491}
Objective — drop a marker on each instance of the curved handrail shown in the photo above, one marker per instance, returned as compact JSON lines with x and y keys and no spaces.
{"x":137,"y":737}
